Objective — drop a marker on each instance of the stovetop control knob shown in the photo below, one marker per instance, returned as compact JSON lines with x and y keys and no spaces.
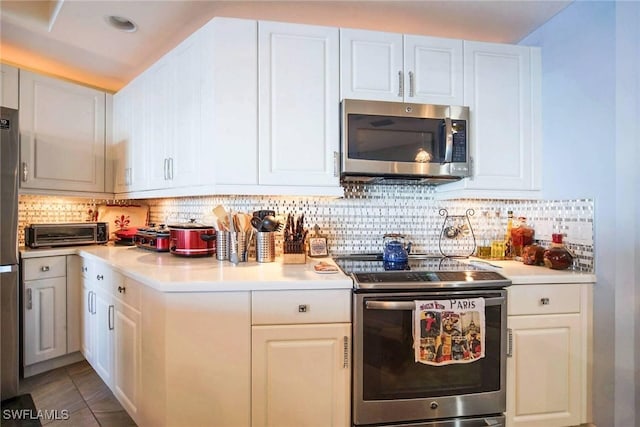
{"x":433,"y":405}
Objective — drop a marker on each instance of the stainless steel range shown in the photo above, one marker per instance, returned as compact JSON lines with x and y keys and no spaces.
{"x":392,"y":383}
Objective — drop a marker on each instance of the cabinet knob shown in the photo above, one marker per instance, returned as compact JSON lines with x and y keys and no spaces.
{"x":100,"y":277}
{"x":303,"y":308}
{"x":122,"y":289}
{"x":84,"y":269}
{"x":44,"y":268}
{"x":544,"y":301}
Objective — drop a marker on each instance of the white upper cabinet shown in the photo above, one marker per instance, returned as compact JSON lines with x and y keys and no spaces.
{"x":9,"y":86}
{"x":62,"y":135}
{"x":298,"y":105}
{"x":502,"y":90}
{"x":183,"y":113}
{"x":229,"y":116}
{"x":405,"y":68}
{"x":122,"y":144}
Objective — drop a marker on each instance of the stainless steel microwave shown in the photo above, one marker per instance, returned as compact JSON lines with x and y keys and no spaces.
{"x":66,"y":234}
{"x":393,"y":142}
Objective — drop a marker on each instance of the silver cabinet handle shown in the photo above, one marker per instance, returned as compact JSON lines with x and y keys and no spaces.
{"x":345,"y":352}
{"x":89,"y":302}
{"x":336,"y":163}
{"x":44,"y":268}
{"x":509,"y":342}
{"x":400,"y":84}
{"x":411,"y":84}
{"x":171,"y":168}
{"x":29,"y":299}
{"x":544,"y":301}
{"x":25,"y":172}
{"x":166,"y":168}
{"x":111,"y":320}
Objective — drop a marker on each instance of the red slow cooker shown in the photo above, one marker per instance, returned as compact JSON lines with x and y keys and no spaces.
{"x":192,"y":239}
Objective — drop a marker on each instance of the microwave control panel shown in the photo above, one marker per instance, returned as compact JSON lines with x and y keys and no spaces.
{"x":459,"y":154}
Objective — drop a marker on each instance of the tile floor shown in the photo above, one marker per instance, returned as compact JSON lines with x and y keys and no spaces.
{"x":78,"y":389}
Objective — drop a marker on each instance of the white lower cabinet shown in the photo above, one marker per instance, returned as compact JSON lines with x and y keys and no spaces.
{"x":547,"y":373}
{"x":300,"y":366}
{"x":50,"y":295}
{"x":299,"y":375}
{"x":45,"y":333}
{"x":103,"y":344}
{"x":127,"y":343}
{"x":111,"y":336}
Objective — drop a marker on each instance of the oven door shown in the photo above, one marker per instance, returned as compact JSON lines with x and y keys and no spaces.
{"x":389,"y":386}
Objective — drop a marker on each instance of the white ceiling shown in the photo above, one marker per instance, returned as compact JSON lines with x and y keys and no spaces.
{"x":71,"y":39}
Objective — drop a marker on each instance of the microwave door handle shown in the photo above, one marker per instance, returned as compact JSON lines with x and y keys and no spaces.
{"x":448,"y":150}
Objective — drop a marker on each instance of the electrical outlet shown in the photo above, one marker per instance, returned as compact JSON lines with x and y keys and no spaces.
{"x":543,"y":229}
{"x":579,"y":233}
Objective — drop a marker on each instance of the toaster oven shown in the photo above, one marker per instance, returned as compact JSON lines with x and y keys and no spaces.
{"x":66,"y":234}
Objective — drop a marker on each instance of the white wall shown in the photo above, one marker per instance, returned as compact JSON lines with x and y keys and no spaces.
{"x":590,"y":111}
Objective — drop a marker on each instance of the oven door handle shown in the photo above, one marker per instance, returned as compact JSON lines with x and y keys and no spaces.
{"x":411,"y":305}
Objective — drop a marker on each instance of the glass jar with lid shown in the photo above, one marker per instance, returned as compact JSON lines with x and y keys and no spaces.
{"x":558,"y":256}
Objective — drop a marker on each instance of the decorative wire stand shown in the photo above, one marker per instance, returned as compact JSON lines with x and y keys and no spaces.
{"x":458,"y":233}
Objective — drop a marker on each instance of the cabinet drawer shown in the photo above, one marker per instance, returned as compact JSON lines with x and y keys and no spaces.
{"x":126,"y":290}
{"x":291,"y":307}
{"x":44,"y":268}
{"x":543,"y":299}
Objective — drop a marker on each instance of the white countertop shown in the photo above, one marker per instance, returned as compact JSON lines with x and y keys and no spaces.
{"x":170,"y":273}
{"x":521,"y":274}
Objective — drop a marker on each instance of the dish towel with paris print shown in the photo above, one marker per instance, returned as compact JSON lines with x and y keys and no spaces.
{"x":449,"y":331}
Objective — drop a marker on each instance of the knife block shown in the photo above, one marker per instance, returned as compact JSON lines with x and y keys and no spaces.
{"x":293,"y":252}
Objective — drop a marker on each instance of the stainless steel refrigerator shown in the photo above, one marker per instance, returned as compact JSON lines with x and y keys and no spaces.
{"x":9,"y":282}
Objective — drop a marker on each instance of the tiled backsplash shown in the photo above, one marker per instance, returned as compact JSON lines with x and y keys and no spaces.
{"x":357,"y":222}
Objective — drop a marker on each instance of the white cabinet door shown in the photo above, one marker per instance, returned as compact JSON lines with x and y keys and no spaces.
{"x":127,"y":347}
{"x":128,"y":150}
{"x":122,"y":141}
{"x":371,"y":65}
{"x":300,"y":375}
{"x":502,"y":90}
{"x":62,"y":135}
{"x":184,"y":100}
{"x":74,"y":304}
{"x":298,"y":105}
{"x":230,"y":102}
{"x":433,"y":70}
{"x":380,"y":66}
{"x":9,"y":86}
{"x":88,"y":323}
{"x":157,"y":123}
{"x":104,"y":318}
{"x":45,"y":319}
{"x":544,"y":380}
